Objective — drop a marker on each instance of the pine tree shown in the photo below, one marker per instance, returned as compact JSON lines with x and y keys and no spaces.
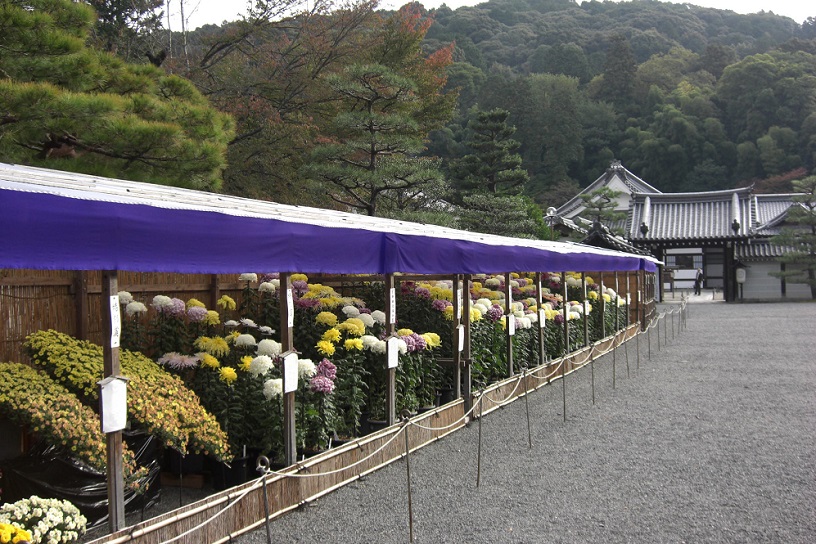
{"x":800,"y":240}
{"x":66,"y":106}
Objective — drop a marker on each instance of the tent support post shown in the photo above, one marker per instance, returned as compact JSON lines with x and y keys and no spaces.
{"x":287,"y":345}
{"x":542,"y":352}
{"x":110,"y":354}
{"x":467,"y":378}
{"x":508,"y":315}
{"x":390,"y":326}
{"x":458,"y":300}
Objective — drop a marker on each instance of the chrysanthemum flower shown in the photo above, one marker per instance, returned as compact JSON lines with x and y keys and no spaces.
{"x":269,"y":347}
{"x":228,"y":375}
{"x":306,"y":368}
{"x":325,"y":348}
{"x":273,"y":388}
{"x":248,"y":276}
{"x":135,"y":307}
{"x":208,"y":361}
{"x":245,"y":341}
{"x":353,"y":344}
{"x":194,"y":302}
{"x":125,"y":298}
{"x":260,"y":365}
{"x":331,"y":335}
{"x":226,"y":303}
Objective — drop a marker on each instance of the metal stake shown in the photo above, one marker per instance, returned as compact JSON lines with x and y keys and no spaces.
{"x":527,"y":407}
{"x":408,"y":473}
{"x":479,"y":448}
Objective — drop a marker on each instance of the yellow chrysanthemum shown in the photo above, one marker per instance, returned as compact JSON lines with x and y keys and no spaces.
{"x":325,"y":348}
{"x":194,"y":302}
{"x":230,"y":338}
{"x":331,"y":335}
{"x":592,"y":295}
{"x":217,"y":346}
{"x":208,"y":360}
{"x":607,"y":298}
{"x":246,"y":360}
{"x":476,"y":285}
{"x":353,"y":326}
{"x":326,"y":318}
{"x":331,"y":302}
{"x":226,"y":303}
{"x":442,"y":293}
{"x":405,"y":332}
{"x":432,"y":339}
{"x":353,"y":344}
{"x":475,"y":315}
{"x":589,"y":280}
{"x":228,"y":375}
{"x":550,"y":314}
{"x":301,"y":277}
{"x":514,"y":275}
{"x":448,"y":313}
{"x":212,"y":318}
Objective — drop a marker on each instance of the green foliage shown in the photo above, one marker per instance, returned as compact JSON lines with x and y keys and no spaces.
{"x":66,"y":106}
{"x":799,"y":238}
{"x":601,"y":205}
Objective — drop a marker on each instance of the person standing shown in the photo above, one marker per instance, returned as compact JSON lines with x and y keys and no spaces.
{"x":698,"y":281}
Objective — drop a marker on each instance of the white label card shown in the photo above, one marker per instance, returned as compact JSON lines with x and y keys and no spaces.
{"x":628,"y":299}
{"x":460,"y":331}
{"x":542,"y":318}
{"x":392,"y":316}
{"x":290,"y":304}
{"x":392,"y":351}
{"x":113,"y":399}
{"x":116,"y":321}
{"x":511,"y":324}
{"x":290,"y":373}
{"x":459,"y":299}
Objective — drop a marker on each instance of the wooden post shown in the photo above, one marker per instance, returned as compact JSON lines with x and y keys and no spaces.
{"x":467,"y":378}
{"x":390,"y":327}
{"x":508,"y":315}
{"x":542,"y":353}
{"x":81,"y":303}
{"x":566,"y":313}
{"x":602,"y":302}
{"x":110,"y":355}
{"x":215,"y":290}
{"x":287,"y":313}
{"x":458,"y":299}
{"x":585,"y":312}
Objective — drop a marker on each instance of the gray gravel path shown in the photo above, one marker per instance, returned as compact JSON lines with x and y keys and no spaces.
{"x":712,"y":440}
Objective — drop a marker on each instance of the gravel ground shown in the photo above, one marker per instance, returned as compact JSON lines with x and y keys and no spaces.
{"x":712,"y":440}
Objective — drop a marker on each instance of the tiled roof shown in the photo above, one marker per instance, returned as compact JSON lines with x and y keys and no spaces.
{"x":690,"y":216}
{"x":759,"y":250}
{"x":600,"y":236}
{"x":616,"y":171}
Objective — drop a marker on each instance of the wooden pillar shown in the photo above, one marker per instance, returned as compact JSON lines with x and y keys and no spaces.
{"x":81,"y":303}
{"x":542,"y":348}
{"x":287,"y":321}
{"x":616,"y":302}
{"x":458,"y":300}
{"x":508,"y":315}
{"x":215,"y":290}
{"x":390,"y":328}
{"x":566,"y":313}
{"x":110,"y":354}
{"x":628,"y":301}
{"x":602,"y":302}
{"x":467,"y":379}
{"x":586,"y":307}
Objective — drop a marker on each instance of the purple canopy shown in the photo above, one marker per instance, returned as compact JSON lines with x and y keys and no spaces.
{"x":61,"y":220}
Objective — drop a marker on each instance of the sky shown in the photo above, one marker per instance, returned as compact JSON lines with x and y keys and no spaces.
{"x":201,"y":12}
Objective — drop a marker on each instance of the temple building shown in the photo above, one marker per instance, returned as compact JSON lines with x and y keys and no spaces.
{"x":726,"y":233}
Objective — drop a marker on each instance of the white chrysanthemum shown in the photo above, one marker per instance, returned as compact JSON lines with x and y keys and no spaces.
{"x":573,"y":282}
{"x":368,"y":341}
{"x":161,"y":301}
{"x":351,"y":311}
{"x":135,"y":307}
{"x":260,"y":365}
{"x":492,"y":282}
{"x":379,"y":316}
{"x":246,"y":322}
{"x":547,"y":306}
{"x":402,"y":346}
{"x":273,"y":388}
{"x":306,"y":368}
{"x":248,"y":276}
{"x":367,"y":320}
{"x":514,"y":283}
{"x":611,"y":292}
{"x":275,"y":282}
{"x":517,"y":307}
{"x":266,"y":330}
{"x":518,"y":313}
{"x":481,"y":307}
{"x":245,"y":341}
{"x":532,"y":317}
{"x":125,"y":298}
{"x":485,"y":302}
{"x":267,"y":287}
{"x":269,"y":347}
{"x":231,"y":323}
{"x":525,"y":322}
{"x":379,"y":346}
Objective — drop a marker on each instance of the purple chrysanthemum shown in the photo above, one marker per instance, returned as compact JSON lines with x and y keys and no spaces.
{"x":197,"y":314}
{"x":439,"y":305}
{"x":327,"y":368}
{"x":419,"y":342}
{"x":494,"y":313}
{"x":321,"y":384}
{"x":365,"y":311}
{"x":176,"y":308}
{"x":306,"y":302}
{"x":559,"y":319}
{"x":409,"y":341}
{"x":422,"y":292}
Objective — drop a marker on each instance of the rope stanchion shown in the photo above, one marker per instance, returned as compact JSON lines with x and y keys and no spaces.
{"x":406,"y":419}
{"x":262,"y":465}
{"x":527,"y":408}
{"x":479,"y":447}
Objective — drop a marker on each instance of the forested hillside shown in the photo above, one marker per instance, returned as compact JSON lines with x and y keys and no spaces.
{"x":477,"y":117}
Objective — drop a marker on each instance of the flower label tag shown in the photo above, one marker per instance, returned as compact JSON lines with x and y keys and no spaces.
{"x":511,"y":324}
{"x":586,"y":307}
{"x":116,"y":321}
{"x":542,"y":318}
{"x":113,"y":404}
{"x":290,"y":373}
{"x":392,"y":352}
{"x":460,"y":331}
{"x":392,"y":315}
{"x":628,"y":299}
{"x":290,"y":305}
